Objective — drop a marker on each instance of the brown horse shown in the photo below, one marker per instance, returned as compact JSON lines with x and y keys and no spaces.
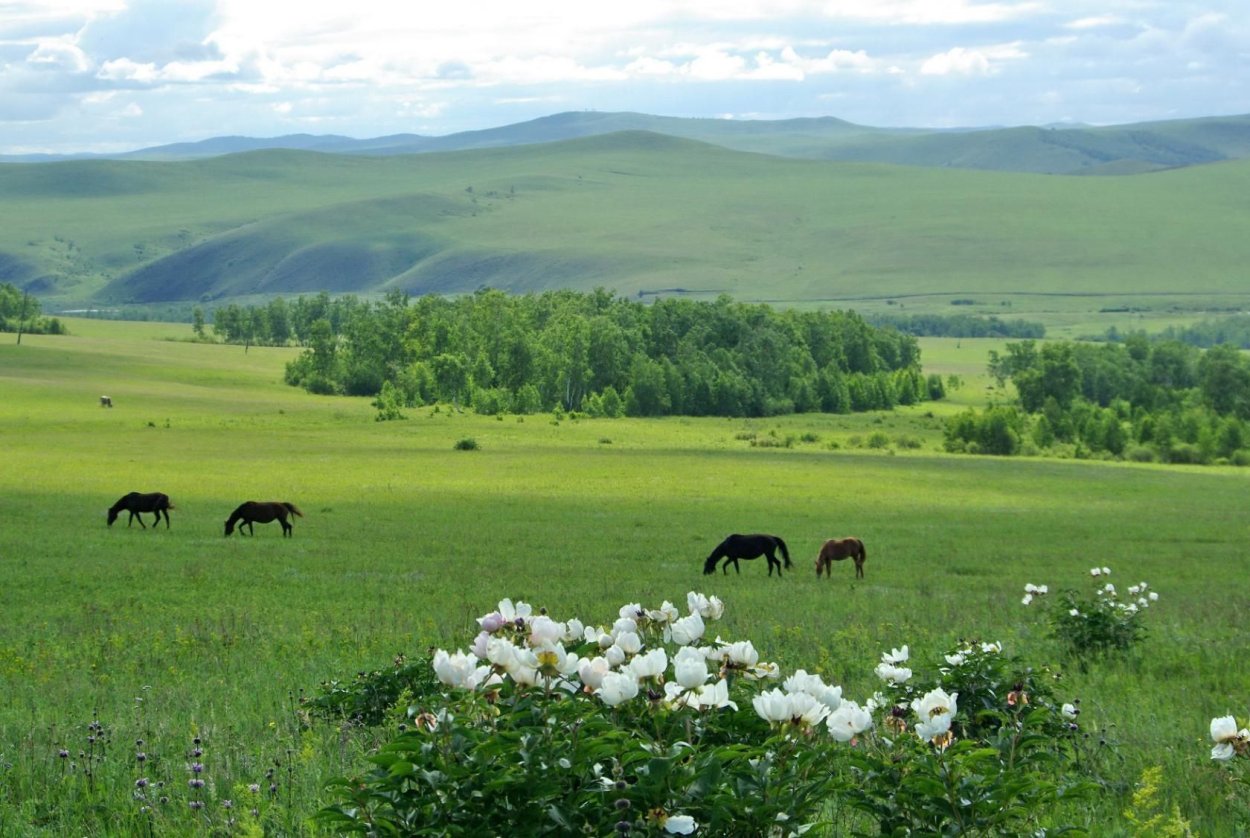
{"x":837,"y":549}
{"x":134,"y":503}
{"x":262,"y":513}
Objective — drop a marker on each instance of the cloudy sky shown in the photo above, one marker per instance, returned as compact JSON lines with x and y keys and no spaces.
{"x":113,"y":75}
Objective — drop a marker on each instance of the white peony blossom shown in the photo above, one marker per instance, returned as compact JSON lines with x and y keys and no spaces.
{"x":891,"y":673}
{"x":848,"y":721}
{"x":617,"y":688}
{"x":690,"y":668}
{"x":651,"y":665}
{"x":680,"y":824}
{"x":686,"y":631}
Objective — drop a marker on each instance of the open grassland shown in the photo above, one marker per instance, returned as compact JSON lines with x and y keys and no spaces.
{"x":632,"y":212}
{"x":166,"y":635}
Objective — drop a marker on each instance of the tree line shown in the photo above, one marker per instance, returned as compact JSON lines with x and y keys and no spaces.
{"x":593,"y":352}
{"x":959,"y":326}
{"x":19,"y":311}
{"x":1142,"y":400}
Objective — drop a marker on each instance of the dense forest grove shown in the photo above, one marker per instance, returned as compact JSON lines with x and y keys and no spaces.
{"x":1139,"y":399}
{"x":20,"y":311}
{"x":591,"y":352}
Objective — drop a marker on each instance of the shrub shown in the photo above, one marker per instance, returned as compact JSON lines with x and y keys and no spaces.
{"x":468,"y":443}
{"x":370,"y":696}
{"x":644,"y":726}
{"x":1099,"y":623}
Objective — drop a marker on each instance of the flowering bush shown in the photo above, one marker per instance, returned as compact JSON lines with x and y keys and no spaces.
{"x":1099,"y":623}
{"x":647,"y":726}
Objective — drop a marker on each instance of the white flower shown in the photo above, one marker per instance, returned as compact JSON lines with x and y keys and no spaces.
{"x":632,"y":611}
{"x":741,"y":653}
{"x":500,"y":651}
{"x":544,"y":630}
{"x":592,"y":670}
{"x":1106,"y":571}
{"x":1094,"y":571}
{"x":1133,"y":589}
{"x":1142,"y":602}
{"x":665,"y":614}
{"x":935,"y":703}
{"x":1069,"y":711}
{"x":679,"y":824}
{"x":933,"y":727}
{"x":957,"y":659}
{"x":690,"y":667}
{"x":615,"y":656}
{"x":650,"y":665}
{"x":991,"y":647}
{"x":1074,"y":612}
{"x":895,"y":655}
{"x":1153,"y":596}
{"x":891,"y":673}
{"x":807,"y":709}
{"x":686,"y":631}
{"x":709,"y":608}
{"x":812,"y":684}
{"x":1028,"y":598}
{"x":715,"y":695}
{"x":1043,"y":589}
{"x":1224,"y":733}
{"x":459,"y":670}
{"x":1109,"y":589}
{"x":618,"y":687}
{"x":629,"y":642}
{"x":762,"y":670}
{"x":848,"y":721}
{"x":623,"y":625}
{"x":1029,"y":587}
{"x":512,"y":613}
{"x":876,"y":702}
{"x":573,"y":630}
{"x":480,"y":644}
{"x":772,"y":706}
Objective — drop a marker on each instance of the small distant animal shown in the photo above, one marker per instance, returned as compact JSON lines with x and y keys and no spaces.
{"x":262,"y":512}
{"x":106,"y":401}
{"x":753,"y":546}
{"x":136,"y":503}
{"x":837,"y":549}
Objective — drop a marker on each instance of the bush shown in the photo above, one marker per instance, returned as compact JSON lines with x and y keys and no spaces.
{"x":369,"y":697}
{"x":644,"y":727}
{"x":468,"y":443}
{"x":1100,"y":623}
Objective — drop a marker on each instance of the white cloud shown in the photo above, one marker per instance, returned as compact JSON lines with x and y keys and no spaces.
{"x":957,"y":62}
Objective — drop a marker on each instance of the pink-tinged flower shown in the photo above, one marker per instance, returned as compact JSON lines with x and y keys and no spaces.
{"x":492,"y":622}
{"x":617,"y":688}
{"x":848,"y":721}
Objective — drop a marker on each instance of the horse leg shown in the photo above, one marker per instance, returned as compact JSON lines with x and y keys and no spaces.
{"x":286,"y":528}
{"x":133,"y":516}
{"x":250,"y":529}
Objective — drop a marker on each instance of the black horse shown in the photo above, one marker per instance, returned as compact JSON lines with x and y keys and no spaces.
{"x":737,"y":547}
{"x":262,"y":512}
{"x":134,"y":503}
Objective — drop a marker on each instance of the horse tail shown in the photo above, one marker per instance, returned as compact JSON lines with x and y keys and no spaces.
{"x":785,"y":552}
{"x":292,"y":508}
{"x":863,"y":551}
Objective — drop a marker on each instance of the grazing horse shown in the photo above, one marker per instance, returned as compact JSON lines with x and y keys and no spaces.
{"x":837,"y":549}
{"x":262,"y":512}
{"x":737,"y":547}
{"x":105,"y":401}
{"x":134,"y":503}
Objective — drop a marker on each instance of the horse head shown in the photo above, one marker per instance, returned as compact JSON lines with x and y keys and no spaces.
{"x":229,"y":526}
{"x":112,"y":515}
{"x":709,"y":566}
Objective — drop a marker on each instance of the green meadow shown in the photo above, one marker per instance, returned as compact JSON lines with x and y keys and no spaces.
{"x":163,"y":636}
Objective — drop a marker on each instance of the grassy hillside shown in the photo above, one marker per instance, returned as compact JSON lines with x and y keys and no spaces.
{"x":167,"y":635}
{"x":1117,"y":149}
{"x":636,"y":212}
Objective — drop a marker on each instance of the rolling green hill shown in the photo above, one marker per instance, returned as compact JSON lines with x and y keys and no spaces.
{"x":636,"y":212}
{"x":1117,"y":149}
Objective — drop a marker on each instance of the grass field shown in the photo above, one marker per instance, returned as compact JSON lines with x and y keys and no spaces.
{"x":167,"y":635}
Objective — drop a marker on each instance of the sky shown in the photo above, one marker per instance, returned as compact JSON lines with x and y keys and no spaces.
{"x":116,"y":75}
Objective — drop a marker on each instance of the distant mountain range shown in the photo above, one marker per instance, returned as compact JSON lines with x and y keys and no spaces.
{"x":1068,"y":150}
